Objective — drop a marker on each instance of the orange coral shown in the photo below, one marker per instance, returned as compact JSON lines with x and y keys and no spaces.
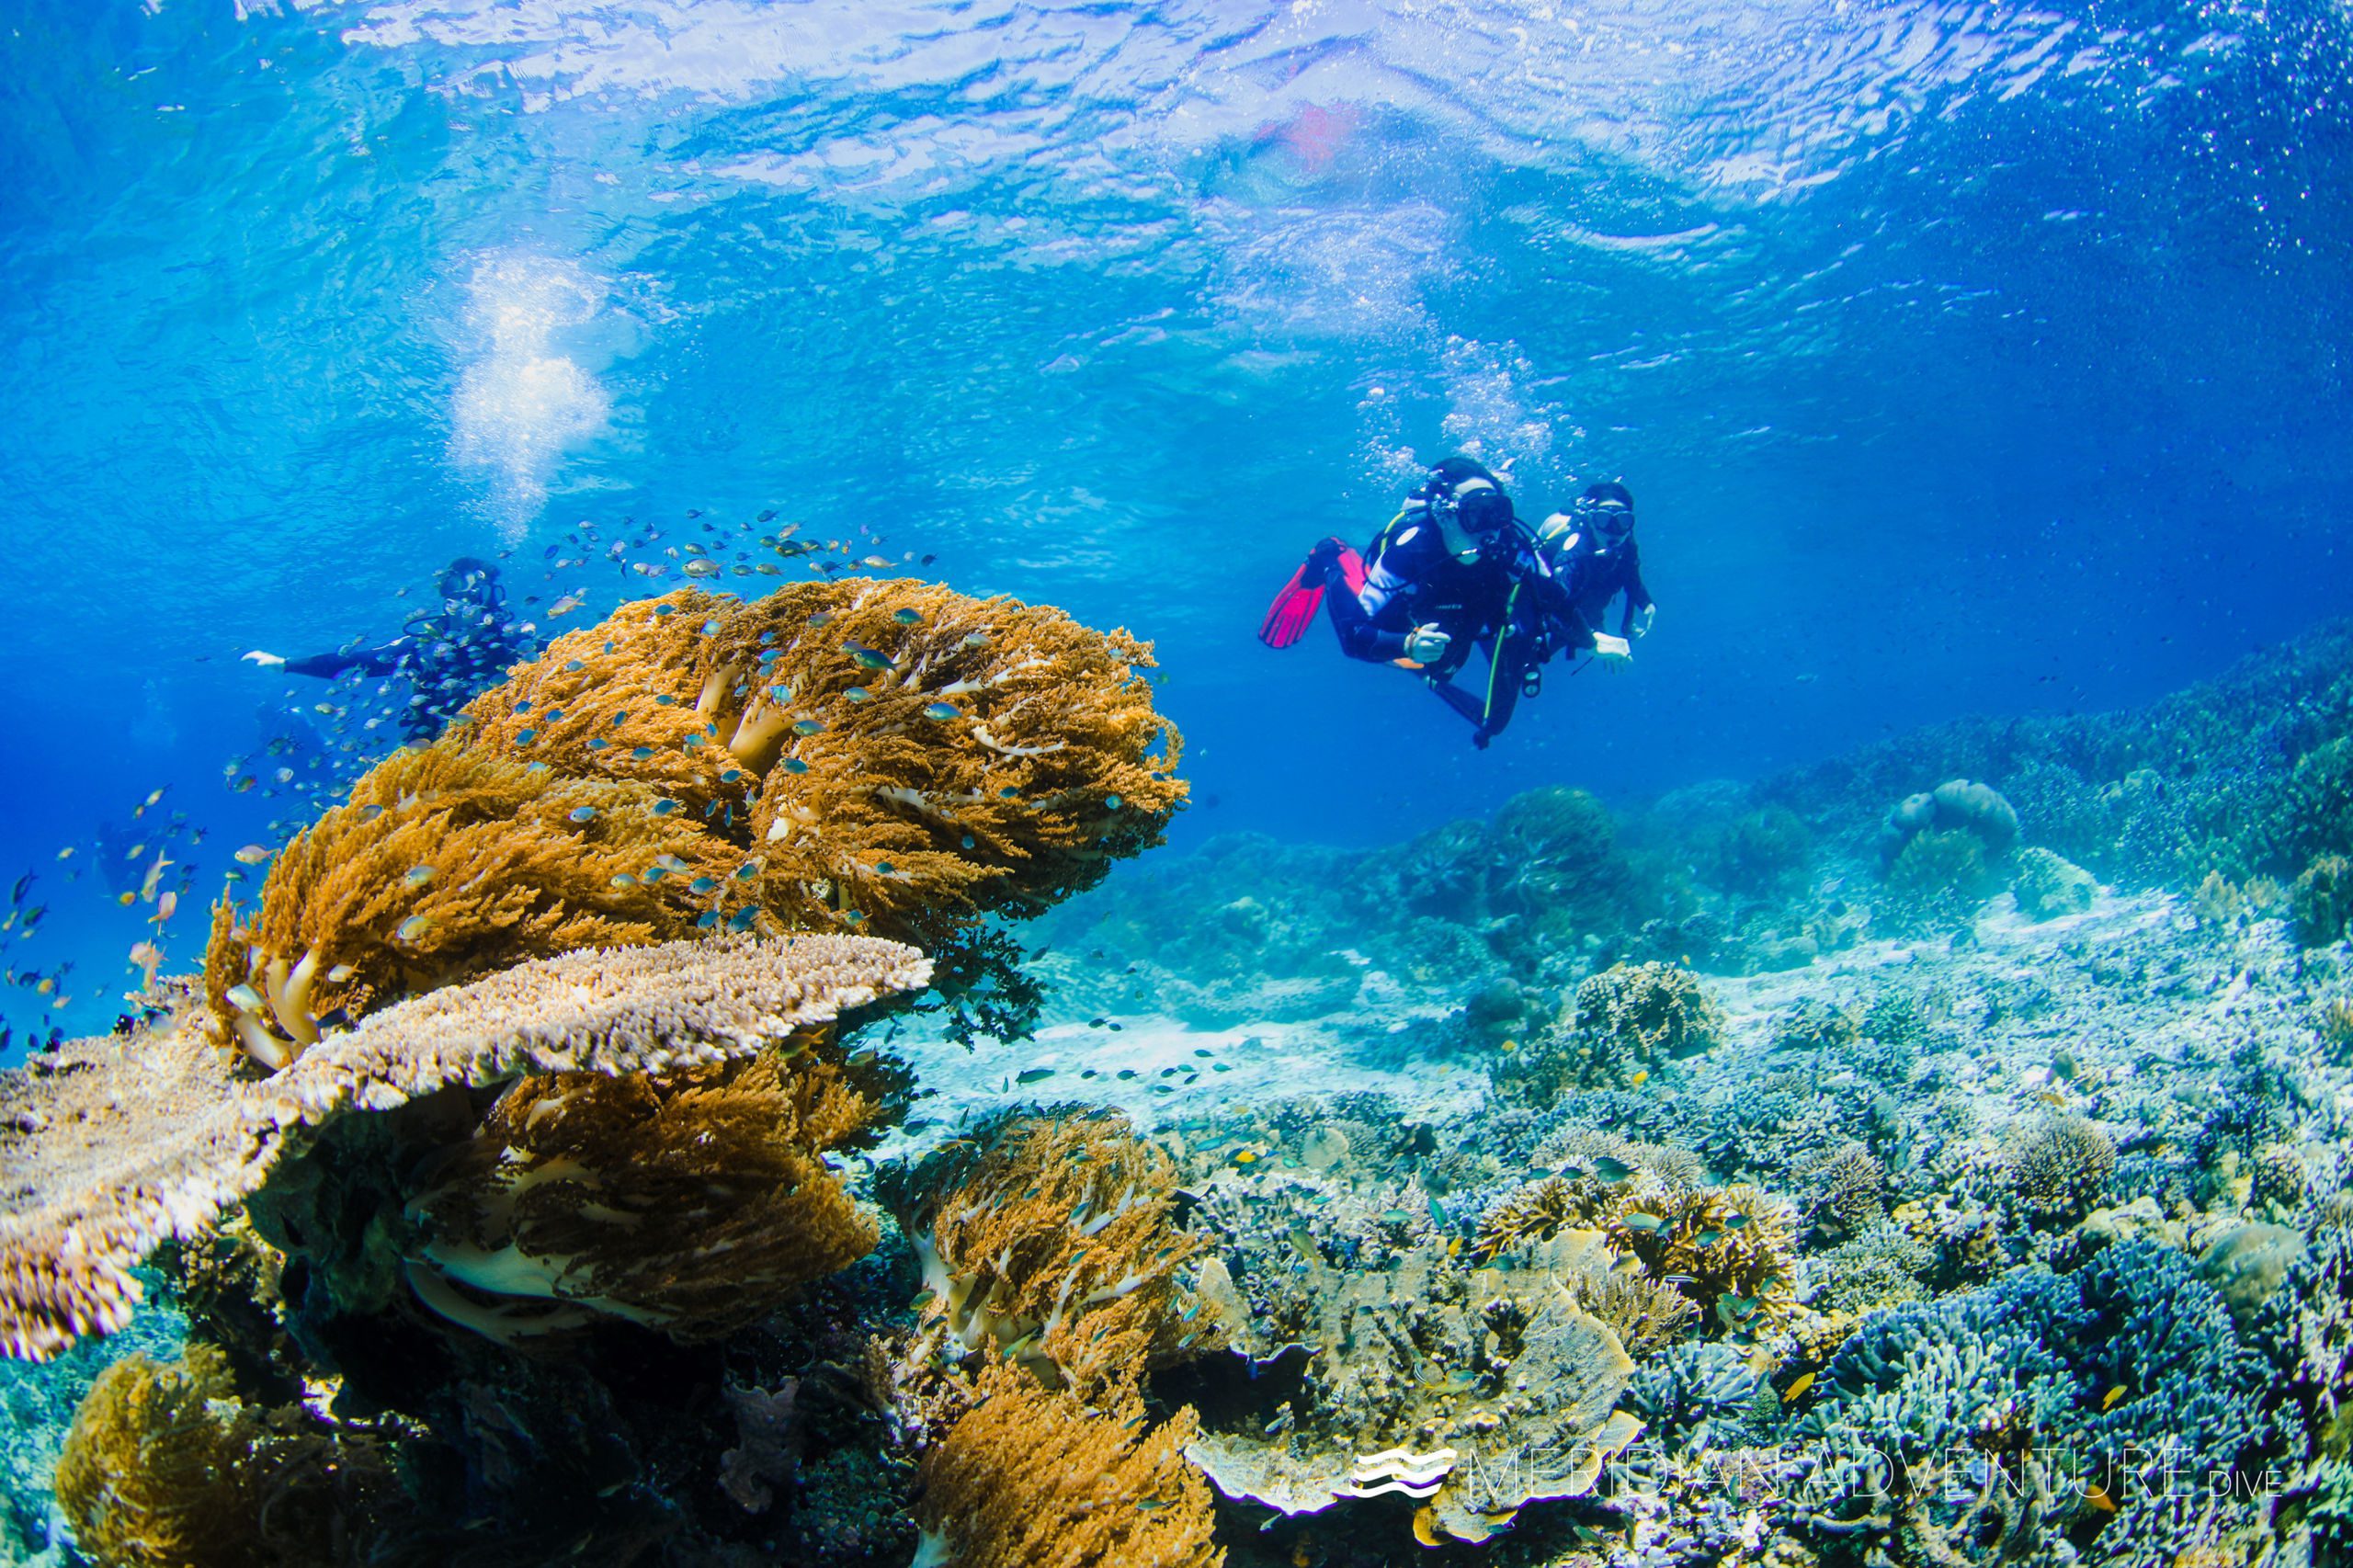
{"x":449,"y":862}
{"x":1033,"y":1479}
{"x":1058,"y":1251}
{"x":165,"y":1467}
{"x":695,"y":1202}
{"x":851,"y":754}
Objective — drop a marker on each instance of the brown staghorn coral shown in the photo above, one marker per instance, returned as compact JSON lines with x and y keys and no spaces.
{"x":165,"y":1467}
{"x":1028,"y":1478}
{"x":112,"y":1145}
{"x":856,"y":754}
{"x":1056,"y":1250}
{"x":695,"y":1203}
{"x":1731,"y":1249}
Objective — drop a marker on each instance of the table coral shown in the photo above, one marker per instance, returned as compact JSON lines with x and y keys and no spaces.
{"x":1028,"y":1478}
{"x":112,"y":1145}
{"x":884,"y":756}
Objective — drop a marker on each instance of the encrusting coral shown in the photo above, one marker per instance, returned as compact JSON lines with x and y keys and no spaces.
{"x":113,"y":1146}
{"x":1032,"y":1478}
{"x":1050,"y":1244}
{"x":885,"y":755}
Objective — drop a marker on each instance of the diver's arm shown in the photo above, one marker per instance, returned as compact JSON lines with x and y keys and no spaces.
{"x":1570,"y":630}
{"x":1373,"y":623}
{"x":1638,"y":597}
{"x":382,"y":660}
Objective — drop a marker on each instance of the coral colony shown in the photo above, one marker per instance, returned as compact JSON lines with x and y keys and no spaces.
{"x":1933,"y":1157}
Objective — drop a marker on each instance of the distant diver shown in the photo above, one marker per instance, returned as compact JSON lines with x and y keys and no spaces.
{"x":447,"y":657}
{"x":1455,"y":569}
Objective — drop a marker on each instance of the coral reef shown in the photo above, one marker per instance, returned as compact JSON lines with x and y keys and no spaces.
{"x":2321,"y":902}
{"x":2061,"y":1167}
{"x":695,"y":1202}
{"x":110,"y":1146}
{"x":166,"y":1467}
{"x":889,"y":755}
{"x":2080,"y":1394}
{"x":1028,"y":1478}
{"x":1625,"y":1023}
{"x":2047,"y":886}
{"x":1048,"y":1243}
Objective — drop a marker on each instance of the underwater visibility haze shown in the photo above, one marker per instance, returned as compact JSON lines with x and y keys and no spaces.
{"x":663,"y":907}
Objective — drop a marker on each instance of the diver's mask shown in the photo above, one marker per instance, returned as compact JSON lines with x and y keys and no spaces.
{"x":1611,"y":520}
{"x":1470,"y":515}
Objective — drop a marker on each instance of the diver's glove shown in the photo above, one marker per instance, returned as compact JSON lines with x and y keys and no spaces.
{"x":1427,"y":644}
{"x":1615,"y":653}
{"x":266,"y":661}
{"x":1642,"y":618}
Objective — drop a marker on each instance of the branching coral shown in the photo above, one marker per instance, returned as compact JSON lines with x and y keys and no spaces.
{"x":1625,"y":1022}
{"x":1030,"y":1478}
{"x":1731,"y":1249}
{"x":113,"y":1146}
{"x":2061,"y":1167}
{"x":1990,"y":1418}
{"x":1054,"y":1248}
{"x":839,"y":755}
{"x":1846,"y":1194}
{"x":1648,"y":1013}
{"x":696,"y":1202}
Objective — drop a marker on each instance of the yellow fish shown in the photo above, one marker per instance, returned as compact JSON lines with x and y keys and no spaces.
{"x":1797,"y":1389}
{"x":2113,"y":1395}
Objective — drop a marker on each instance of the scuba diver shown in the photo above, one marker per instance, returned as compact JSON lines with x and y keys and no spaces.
{"x":1452,"y":570}
{"x":1592,"y":548}
{"x":447,"y":657}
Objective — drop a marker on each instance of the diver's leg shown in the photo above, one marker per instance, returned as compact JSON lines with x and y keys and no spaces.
{"x":1507,"y":673}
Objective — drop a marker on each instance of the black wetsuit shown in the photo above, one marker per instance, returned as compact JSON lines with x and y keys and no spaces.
{"x":1509,"y":602}
{"x":1595,"y":574}
{"x":447,"y":659}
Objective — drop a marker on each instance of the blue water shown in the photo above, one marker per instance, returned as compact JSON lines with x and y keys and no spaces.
{"x":1961,"y":358}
